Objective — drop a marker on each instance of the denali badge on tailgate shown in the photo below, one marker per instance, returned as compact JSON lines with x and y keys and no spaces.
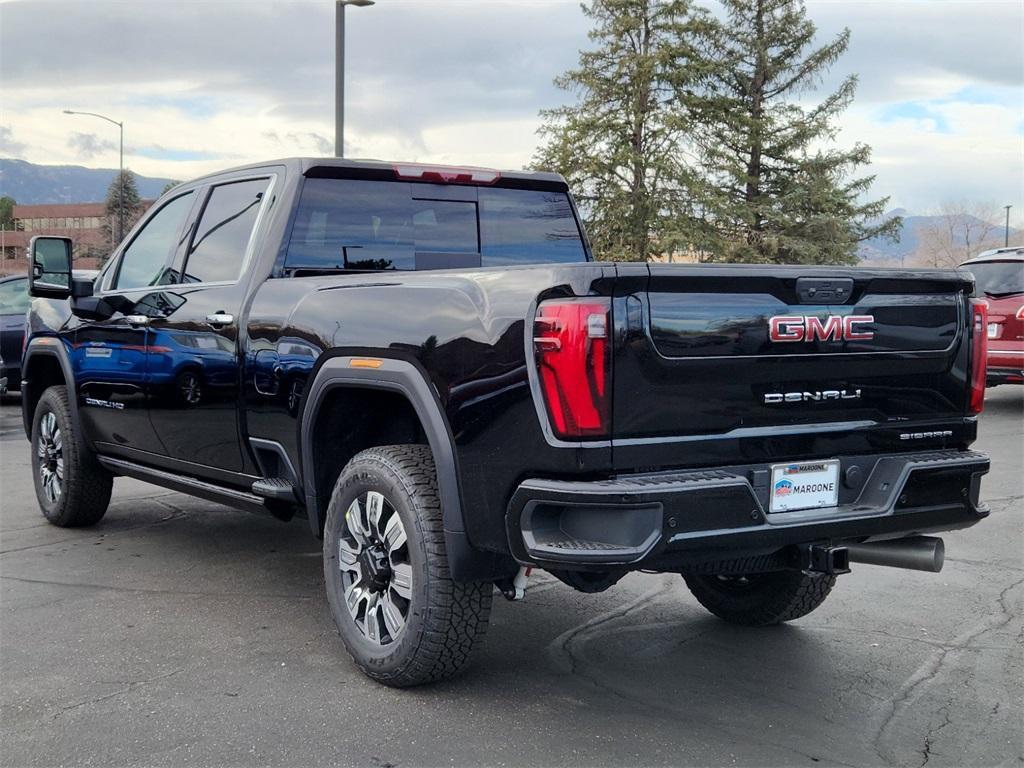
{"x":812,"y":328}
{"x":817,"y":395}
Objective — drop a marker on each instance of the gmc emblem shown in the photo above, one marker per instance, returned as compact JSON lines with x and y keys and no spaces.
{"x":811,"y":328}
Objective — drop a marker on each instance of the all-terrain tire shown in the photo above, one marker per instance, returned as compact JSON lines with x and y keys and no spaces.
{"x":79,"y":493}
{"x":761,"y":599}
{"x":445,"y":620}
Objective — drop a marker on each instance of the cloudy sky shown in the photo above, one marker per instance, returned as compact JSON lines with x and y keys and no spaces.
{"x":203,"y":85}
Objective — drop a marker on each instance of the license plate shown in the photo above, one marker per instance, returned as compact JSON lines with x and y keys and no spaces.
{"x":807,"y":485}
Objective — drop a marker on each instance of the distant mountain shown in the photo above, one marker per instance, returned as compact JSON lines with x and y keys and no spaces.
{"x":31,"y":184}
{"x":882,"y":252}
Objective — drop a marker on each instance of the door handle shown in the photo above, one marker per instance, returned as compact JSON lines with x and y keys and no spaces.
{"x":136,"y":321}
{"x":220,"y":319}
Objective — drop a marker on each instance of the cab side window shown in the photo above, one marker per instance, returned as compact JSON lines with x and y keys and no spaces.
{"x":225,"y":227}
{"x":144,"y":261}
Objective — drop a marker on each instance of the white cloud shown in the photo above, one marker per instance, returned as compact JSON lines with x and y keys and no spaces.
{"x":202,"y":86}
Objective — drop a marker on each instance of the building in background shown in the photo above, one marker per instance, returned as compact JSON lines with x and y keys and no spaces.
{"x":82,"y":222}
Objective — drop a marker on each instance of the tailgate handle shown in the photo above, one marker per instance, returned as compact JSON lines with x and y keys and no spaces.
{"x":824,"y":290}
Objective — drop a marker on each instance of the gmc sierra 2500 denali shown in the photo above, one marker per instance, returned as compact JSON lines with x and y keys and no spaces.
{"x":427,"y":365}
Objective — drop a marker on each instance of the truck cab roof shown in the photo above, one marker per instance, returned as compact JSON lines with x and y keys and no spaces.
{"x":413,"y":171}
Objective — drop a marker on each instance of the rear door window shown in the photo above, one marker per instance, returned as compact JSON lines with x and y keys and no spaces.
{"x":222,"y":236}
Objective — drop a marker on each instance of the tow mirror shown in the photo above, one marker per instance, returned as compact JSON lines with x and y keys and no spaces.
{"x":50,"y":272}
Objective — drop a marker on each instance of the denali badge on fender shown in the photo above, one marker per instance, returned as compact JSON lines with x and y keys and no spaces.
{"x":811,"y":328}
{"x":771,"y":398}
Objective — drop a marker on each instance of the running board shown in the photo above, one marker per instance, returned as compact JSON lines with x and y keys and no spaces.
{"x":228,"y":496}
{"x":275,"y":488}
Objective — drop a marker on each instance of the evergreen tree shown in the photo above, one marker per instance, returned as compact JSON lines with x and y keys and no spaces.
{"x":7,"y":204}
{"x":169,"y":186}
{"x":122,"y":194}
{"x":778,"y":188}
{"x":621,"y":145}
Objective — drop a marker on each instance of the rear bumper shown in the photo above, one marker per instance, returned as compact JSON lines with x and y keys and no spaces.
{"x":1005,"y":362}
{"x":679,"y":520}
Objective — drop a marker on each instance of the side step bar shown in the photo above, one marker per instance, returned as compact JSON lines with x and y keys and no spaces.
{"x":274,"y":488}
{"x":230,"y":497}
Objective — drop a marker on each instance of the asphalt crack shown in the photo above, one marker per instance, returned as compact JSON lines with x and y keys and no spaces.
{"x":926,"y":751}
{"x":129,"y":686}
{"x":150,"y":590}
{"x":933,"y":666}
{"x":564,"y":642}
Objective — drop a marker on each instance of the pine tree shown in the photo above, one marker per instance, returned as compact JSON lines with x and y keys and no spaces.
{"x":621,"y":145}
{"x":122,"y":192}
{"x":779,"y":190}
{"x":7,"y":220}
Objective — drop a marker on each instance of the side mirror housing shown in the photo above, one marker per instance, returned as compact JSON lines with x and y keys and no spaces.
{"x":49,"y":273}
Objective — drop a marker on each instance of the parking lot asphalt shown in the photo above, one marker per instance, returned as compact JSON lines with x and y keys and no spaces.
{"x":179,"y":632}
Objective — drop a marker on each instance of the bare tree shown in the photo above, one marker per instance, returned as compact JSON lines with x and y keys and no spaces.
{"x":959,"y":230}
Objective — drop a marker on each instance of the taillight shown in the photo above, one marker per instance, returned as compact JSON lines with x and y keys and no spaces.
{"x":446,"y":174}
{"x":571,"y":343}
{"x":979,"y":354}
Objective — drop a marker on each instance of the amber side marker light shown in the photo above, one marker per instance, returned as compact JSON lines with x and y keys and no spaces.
{"x":365,"y":362}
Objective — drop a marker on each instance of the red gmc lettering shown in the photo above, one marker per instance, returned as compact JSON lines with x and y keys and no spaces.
{"x":854,"y":335}
{"x":779,"y":328}
{"x":786,"y":328}
{"x":832,"y":329}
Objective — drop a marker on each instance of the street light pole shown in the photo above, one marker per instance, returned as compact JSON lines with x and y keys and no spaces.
{"x":120,"y":168}
{"x":1006,"y":236}
{"x":339,"y":71}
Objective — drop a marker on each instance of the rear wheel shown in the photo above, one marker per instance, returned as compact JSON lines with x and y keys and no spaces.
{"x":71,"y":486}
{"x":757,"y":600}
{"x":403,"y":620}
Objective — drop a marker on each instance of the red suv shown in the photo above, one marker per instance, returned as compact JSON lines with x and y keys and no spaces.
{"x":999,"y":277}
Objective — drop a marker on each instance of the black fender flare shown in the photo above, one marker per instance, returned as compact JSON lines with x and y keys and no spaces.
{"x":49,"y":346}
{"x":409,"y":380}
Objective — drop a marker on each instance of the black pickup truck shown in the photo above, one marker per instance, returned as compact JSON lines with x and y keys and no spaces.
{"x":427,"y":364}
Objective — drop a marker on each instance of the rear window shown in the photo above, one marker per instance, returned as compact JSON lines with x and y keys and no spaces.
{"x":373,"y":225}
{"x":998,"y":278}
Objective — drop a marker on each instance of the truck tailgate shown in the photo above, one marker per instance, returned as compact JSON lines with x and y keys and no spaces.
{"x":724,"y":363}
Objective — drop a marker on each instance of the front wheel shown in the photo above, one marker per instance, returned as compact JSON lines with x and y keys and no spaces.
{"x":760,"y":599}
{"x":403,"y":620}
{"x":71,"y":486}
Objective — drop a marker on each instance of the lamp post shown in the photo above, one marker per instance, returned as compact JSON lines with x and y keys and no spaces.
{"x":1006,"y":235}
{"x":339,"y":71}
{"x":120,"y":169}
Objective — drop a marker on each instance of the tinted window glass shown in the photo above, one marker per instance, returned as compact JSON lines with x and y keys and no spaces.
{"x":222,"y":236}
{"x":522,"y":226}
{"x":343,"y":223}
{"x":144,"y":261}
{"x":14,"y":298}
{"x":347,"y":223}
{"x":998,"y":278}
{"x":445,"y":226}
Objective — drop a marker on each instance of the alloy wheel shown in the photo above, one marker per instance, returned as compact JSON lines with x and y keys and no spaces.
{"x":50,"y":457}
{"x":376,"y":574}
